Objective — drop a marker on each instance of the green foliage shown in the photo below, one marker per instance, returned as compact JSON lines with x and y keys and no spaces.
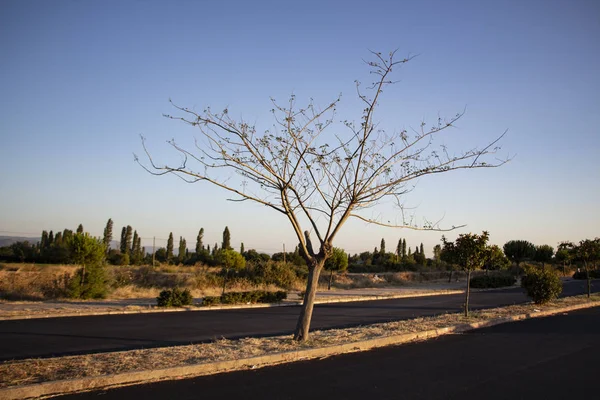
{"x":252,"y":297}
{"x":88,"y":283}
{"x":492,"y":281}
{"x":338,"y":261}
{"x":174,"y":298}
{"x":226,"y":244}
{"x":541,"y":285}
{"x":519,"y":250}
{"x":230,"y":259}
{"x":496,"y":259}
{"x":86,"y":250}
{"x":108,"y":234}
{"x":469,"y":251}
{"x":169,"y":256}
{"x":543,"y":253}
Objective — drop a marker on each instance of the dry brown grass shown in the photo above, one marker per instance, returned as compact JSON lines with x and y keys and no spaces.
{"x":13,"y":373}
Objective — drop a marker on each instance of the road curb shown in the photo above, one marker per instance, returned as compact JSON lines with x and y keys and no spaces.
{"x":141,"y":377}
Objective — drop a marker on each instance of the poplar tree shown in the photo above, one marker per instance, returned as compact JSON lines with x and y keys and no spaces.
{"x":170,"y":247}
{"x":182,"y":249}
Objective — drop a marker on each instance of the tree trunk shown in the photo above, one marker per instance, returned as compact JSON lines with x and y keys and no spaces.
{"x":224,"y":281}
{"x":468,"y":293}
{"x":589,"y":281}
{"x":450,"y":277}
{"x":302,"y":328}
{"x":330,"y":280}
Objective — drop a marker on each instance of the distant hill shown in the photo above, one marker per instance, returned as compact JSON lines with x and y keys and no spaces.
{"x":8,"y":240}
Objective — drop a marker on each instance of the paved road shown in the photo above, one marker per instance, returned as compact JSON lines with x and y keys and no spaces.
{"x":62,"y":336}
{"x":543,"y":358}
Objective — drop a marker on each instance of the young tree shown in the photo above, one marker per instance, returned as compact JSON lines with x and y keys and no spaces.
{"x":496,"y":259}
{"x":588,"y":252}
{"x":565,"y":254}
{"x":338,"y":262}
{"x":518,"y":251}
{"x":90,"y":279}
{"x":543,"y":254}
{"x":294,"y":171}
{"x":469,"y":251}
{"x":108,"y":234}
{"x":170,"y":247}
{"x":226,"y":244}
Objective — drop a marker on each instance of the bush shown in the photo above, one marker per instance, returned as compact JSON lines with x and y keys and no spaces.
{"x":594,"y":274}
{"x":174,"y":298}
{"x":256,"y":296}
{"x":492,"y":281}
{"x":541,"y":285}
{"x":94,"y":284}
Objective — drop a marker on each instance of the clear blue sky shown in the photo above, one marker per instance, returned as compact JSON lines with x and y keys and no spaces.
{"x":81,"y":80}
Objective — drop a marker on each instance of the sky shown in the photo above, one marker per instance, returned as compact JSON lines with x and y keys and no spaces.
{"x":80,"y":81}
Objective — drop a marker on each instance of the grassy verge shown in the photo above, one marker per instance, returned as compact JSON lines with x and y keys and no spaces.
{"x":31,"y":371}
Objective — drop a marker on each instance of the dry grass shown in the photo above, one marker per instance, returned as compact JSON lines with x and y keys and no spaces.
{"x":13,"y":373}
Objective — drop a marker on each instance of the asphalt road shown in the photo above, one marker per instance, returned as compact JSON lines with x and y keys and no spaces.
{"x":77,"y":335}
{"x":543,"y":358}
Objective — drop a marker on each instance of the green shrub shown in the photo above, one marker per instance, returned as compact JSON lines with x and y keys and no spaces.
{"x":594,"y":274}
{"x":492,"y":281}
{"x":174,"y":298}
{"x":252,"y":297}
{"x":88,"y":283}
{"x":541,"y":285}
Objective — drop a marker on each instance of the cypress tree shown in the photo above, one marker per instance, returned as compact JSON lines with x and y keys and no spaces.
{"x":128,"y":235}
{"x":226,"y":245}
{"x":403,"y":247}
{"x":382,"y":247}
{"x":123,"y":242}
{"x":58,"y":240}
{"x":422,"y":250}
{"x":50,"y":238}
{"x":199,"y":244}
{"x":242,"y":248}
{"x":80,"y":228}
{"x":170,"y":247}
{"x":108,"y":233}
{"x":44,"y":241}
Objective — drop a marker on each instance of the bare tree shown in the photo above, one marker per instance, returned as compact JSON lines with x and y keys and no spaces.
{"x":296,"y":171}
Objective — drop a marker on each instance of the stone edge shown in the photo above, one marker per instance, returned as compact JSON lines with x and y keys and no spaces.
{"x":55,"y":388}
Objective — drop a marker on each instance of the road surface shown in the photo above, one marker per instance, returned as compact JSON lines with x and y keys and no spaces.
{"x":542,"y":358}
{"x":78,"y":335}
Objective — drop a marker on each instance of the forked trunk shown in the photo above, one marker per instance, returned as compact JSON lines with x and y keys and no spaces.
{"x":468,"y":293}
{"x":302,"y":328}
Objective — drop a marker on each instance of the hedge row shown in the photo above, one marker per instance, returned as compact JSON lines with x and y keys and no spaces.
{"x":256,"y":296}
{"x":174,"y":298}
{"x":492,"y":281}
